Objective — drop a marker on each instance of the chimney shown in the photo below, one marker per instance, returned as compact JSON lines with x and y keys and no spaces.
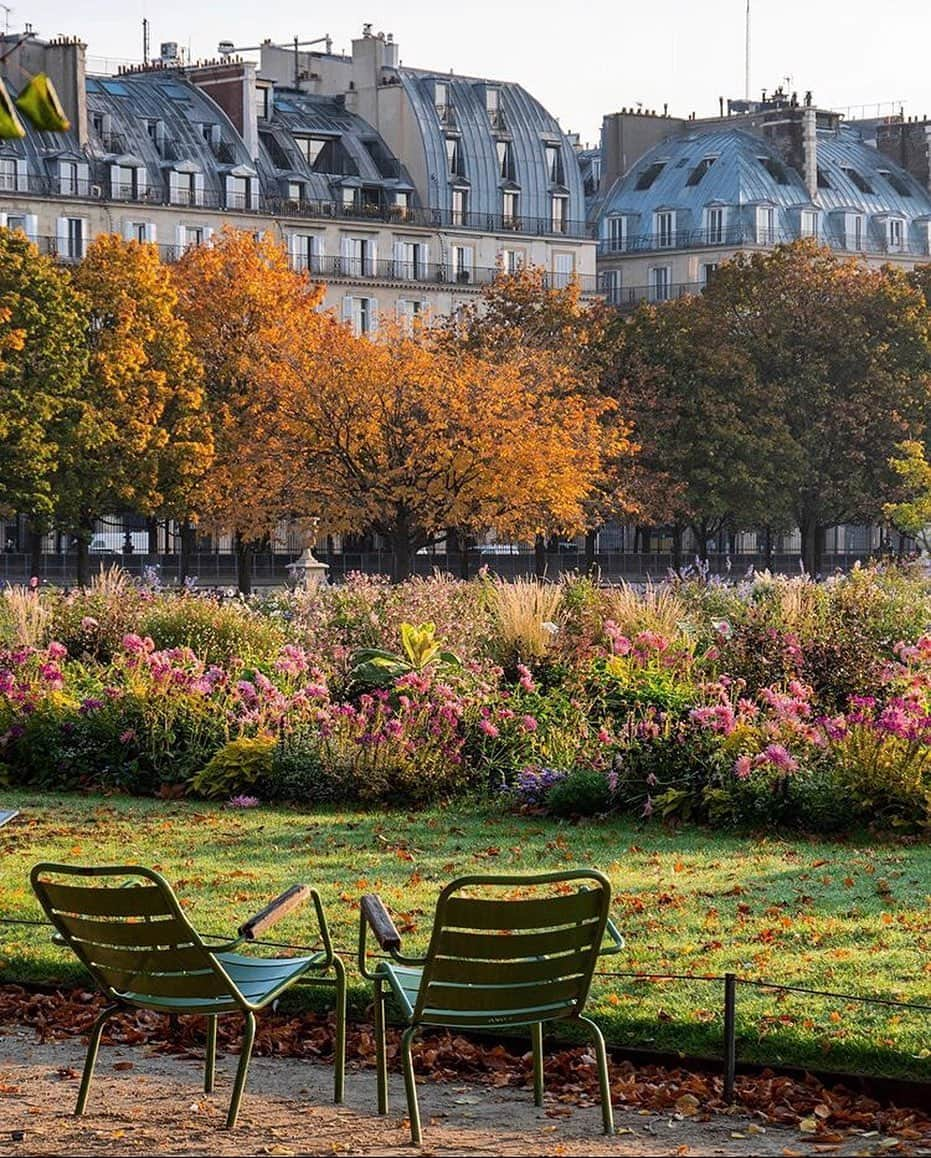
{"x":908,"y":144}
{"x":810,"y":150}
{"x":63,"y":59}
{"x":232,"y":84}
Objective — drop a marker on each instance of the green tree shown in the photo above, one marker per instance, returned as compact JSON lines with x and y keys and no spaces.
{"x":42,"y":361}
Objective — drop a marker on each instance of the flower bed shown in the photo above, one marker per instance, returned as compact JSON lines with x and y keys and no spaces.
{"x":765,"y":701}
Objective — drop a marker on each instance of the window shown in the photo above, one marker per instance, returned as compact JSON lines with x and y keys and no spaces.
{"x":262,"y":101}
{"x":554,"y":165}
{"x":460,"y":206}
{"x":16,"y":222}
{"x":616,"y":233}
{"x":493,"y":106}
{"x":505,"y":160}
{"x":765,"y":225}
{"x":454,"y":156}
{"x":858,"y":180}
{"x":895,"y":233}
{"x":402,"y":204}
{"x":660,"y":283}
{"x":700,"y":170}
{"x":193,"y":236}
{"x":296,"y":192}
{"x":897,"y":183}
{"x":237,"y":192}
{"x":714,"y":225}
{"x":186,"y":188}
{"x":409,"y":310}
{"x":125,"y":183}
{"x":411,"y":259}
{"x":307,"y":252}
{"x":708,"y":270}
{"x":664,"y":229}
{"x":612,"y":286}
{"x":563,"y":269}
{"x":512,"y":260}
{"x":136,"y":231}
{"x":156,"y":134}
{"x":559,"y":213}
{"x":824,"y":181}
{"x":462,"y":257}
{"x":649,"y":175}
{"x":97,"y":123}
{"x":72,"y":236}
{"x":311,"y":148}
{"x":363,"y":315}
{"x":510,"y":209}
{"x":68,"y":180}
{"x":809,"y":223}
{"x":359,"y":256}
{"x":440,"y":94}
{"x":775,"y":169}
{"x":7,"y":174}
{"x":854,"y":231}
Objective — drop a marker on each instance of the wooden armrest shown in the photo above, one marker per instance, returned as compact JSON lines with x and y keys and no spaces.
{"x":380,"y":922}
{"x":289,"y":900}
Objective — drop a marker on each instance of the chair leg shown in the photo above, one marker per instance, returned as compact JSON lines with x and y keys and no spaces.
{"x":601,"y":1054}
{"x":410,"y":1086}
{"x":536,"y":1035}
{"x":242,"y":1070}
{"x":381,"y":1049}
{"x":339,"y":1060}
{"x":93,"y":1045}
{"x":210,"y":1067}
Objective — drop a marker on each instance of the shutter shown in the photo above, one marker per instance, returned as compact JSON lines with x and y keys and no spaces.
{"x":425,"y":261}
{"x":373,"y":315}
{"x":129,"y":230}
{"x":229,"y":192}
{"x":294,"y":251}
{"x":398,"y":251}
{"x":174,"y":187}
{"x":32,"y":226}
{"x":83,"y":179}
{"x":253,"y":192}
{"x":22,"y":175}
{"x":347,"y":308}
{"x":150,"y":232}
{"x":198,"y":188}
{"x":142,"y":182}
{"x":345,"y":255}
{"x":61,"y":234}
{"x":2,"y":221}
{"x":180,"y":239}
{"x":208,"y":232}
{"x":372,"y":271}
{"x":400,"y":310}
{"x":317,"y":249}
{"x":116,"y":192}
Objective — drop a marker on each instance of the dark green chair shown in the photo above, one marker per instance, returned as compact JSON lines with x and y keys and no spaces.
{"x":520,"y":953}
{"x":138,"y":945}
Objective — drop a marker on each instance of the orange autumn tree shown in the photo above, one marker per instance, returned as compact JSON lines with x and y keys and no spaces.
{"x":405,"y":438}
{"x":253,"y":322}
{"x":139,"y":438}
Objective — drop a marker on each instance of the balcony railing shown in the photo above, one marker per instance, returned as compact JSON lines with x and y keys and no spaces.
{"x":98,"y":188}
{"x":424,"y":275}
{"x":628,"y":298}
{"x":749,"y":235}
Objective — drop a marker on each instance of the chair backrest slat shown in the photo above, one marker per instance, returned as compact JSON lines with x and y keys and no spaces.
{"x":132,"y":937}
{"x":514,"y":958}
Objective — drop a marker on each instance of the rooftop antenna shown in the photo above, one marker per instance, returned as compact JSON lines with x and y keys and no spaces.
{"x":145,"y":40}
{"x":747,"y":57}
{"x":7,"y":10}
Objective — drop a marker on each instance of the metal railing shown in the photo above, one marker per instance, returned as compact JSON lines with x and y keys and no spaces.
{"x":748,"y":234}
{"x":98,"y":188}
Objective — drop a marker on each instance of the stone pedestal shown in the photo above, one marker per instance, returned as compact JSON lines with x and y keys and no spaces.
{"x":307,"y":571}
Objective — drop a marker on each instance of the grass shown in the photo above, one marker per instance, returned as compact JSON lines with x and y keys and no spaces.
{"x":847,"y":916}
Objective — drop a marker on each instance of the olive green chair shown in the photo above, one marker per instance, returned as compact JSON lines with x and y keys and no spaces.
{"x":506,"y":951}
{"x":134,"y":939}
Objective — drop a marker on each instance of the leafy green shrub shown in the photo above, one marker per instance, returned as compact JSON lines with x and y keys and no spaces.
{"x":584,"y":792}
{"x":214,"y":631}
{"x":237,"y":768}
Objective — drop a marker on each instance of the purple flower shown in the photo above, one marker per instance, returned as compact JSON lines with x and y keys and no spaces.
{"x":243,"y":802}
{"x":90,"y":705}
{"x":57,"y":650}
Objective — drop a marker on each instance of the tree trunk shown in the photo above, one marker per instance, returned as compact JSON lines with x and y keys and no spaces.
{"x":677,"y":547}
{"x":151,"y":526}
{"x":243,"y":565}
{"x":539,"y":556}
{"x":402,"y":555}
{"x":812,"y":534}
{"x":186,"y":553}
{"x":591,"y":538}
{"x":35,"y":551}
{"x":85,"y":533}
{"x":645,"y":534}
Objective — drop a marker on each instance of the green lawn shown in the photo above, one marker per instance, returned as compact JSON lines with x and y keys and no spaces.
{"x":852,"y":916}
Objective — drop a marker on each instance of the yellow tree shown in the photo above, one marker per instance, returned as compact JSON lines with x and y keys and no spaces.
{"x":139,"y":439}
{"x":252,"y":320}
{"x":404,"y":437}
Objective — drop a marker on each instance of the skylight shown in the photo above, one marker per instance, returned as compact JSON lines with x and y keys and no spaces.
{"x":649,"y":175}
{"x":700,"y":170}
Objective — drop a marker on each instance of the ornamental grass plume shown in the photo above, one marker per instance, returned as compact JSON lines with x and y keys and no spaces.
{"x":524,"y":613}
{"x":656,"y":609}
{"x":24,"y":617}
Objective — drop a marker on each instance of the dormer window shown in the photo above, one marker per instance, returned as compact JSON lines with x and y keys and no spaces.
{"x":454,"y":156}
{"x":664,"y":228}
{"x":554,"y":165}
{"x":493,"y":107}
{"x":460,"y":206}
{"x":649,"y":175}
{"x":559,"y":213}
{"x":775,"y":169}
{"x":616,"y":233}
{"x":700,"y":170}
{"x":505,"y":160}
{"x":714,"y":224}
{"x":858,"y":180}
{"x":896,"y":182}
{"x":895,"y":234}
{"x":510,"y":209}
{"x":809,"y":223}
{"x":765,"y":225}
{"x":311,"y":148}
{"x":263,"y":101}
{"x":442,"y":103}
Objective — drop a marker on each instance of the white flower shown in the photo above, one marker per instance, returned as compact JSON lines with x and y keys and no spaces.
{"x":550,"y":627}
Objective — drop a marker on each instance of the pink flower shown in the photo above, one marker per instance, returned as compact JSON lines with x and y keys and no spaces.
{"x":528,"y":723}
{"x":604,"y":736}
{"x":128,"y":736}
{"x":779,"y":757}
{"x":526,"y":678}
{"x":488,"y":728}
{"x":57,"y":650}
{"x":89,"y":623}
{"x":743,"y":767}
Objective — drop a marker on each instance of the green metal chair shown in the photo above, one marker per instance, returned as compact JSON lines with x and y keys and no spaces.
{"x":495,"y":962}
{"x":134,"y":939}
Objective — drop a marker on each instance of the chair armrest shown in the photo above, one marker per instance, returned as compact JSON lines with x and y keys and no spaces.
{"x":380,"y":922}
{"x":289,"y":900}
{"x":617,"y":939}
